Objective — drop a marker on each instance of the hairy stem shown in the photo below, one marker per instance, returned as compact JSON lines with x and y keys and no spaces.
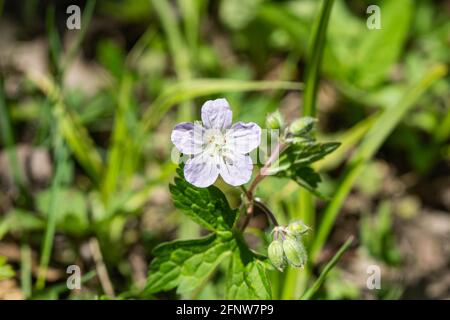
{"x":250,"y":193}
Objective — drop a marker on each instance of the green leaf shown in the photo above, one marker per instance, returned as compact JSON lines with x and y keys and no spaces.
{"x":281,"y":17}
{"x":72,"y":212}
{"x":306,"y":177}
{"x":186,"y":263}
{"x":247,"y":278}
{"x":295,"y":161}
{"x":301,"y":155}
{"x":380,"y":49}
{"x":304,"y":154}
{"x":19,"y":220}
{"x":6,"y":271}
{"x":206,"y":206}
{"x":111,"y":56}
{"x":237,"y":14}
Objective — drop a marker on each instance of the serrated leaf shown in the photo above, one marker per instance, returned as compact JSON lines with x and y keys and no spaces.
{"x":247,"y":278}
{"x":206,"y":206}
{"x":303,"y":154}
{"x":307,"y":178}
{"x":186,"y":264}
{"x":295,"y":161}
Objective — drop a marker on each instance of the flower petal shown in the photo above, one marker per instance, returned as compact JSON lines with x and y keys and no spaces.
{"x":243,"y":137}
{"x":188,"y":137}
{"x":201,"y":170}
{"x":236,"y":169}
{"x":216,"y":114}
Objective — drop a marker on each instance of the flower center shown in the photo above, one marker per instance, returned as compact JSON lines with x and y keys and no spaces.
{"x":216,"y":139}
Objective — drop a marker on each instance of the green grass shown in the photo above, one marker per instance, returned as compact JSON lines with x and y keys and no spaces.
{"x":384,"y":93}
{"x":328,"y":267}
{"x":371,"y":143}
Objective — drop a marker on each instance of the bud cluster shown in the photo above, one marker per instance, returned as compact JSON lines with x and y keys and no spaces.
{"x":287,"y":246}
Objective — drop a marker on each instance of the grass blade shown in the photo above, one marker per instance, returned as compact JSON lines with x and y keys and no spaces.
{"x":8,"y":140}
{"x":178,"y":49}
{"x":54,"y":42}
{"x":314,"y":56}
{"x":323,"y":275}
{"x":70,"y":127}
{"x":191,"y":10}
{"x":61,"y":155}
{"x":85,"y":20}
{"x":373,"y":140}
{"x":177,"y":45}
{"x":120,"y":144}
{"x":25,"y":270}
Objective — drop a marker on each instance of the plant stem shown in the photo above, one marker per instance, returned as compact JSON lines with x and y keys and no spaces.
{"x":25,"y":269}
{"x":102,"y":271}
{"x":264,"y":170}
{"x":315,"y":53}
{"x":250,"y":193}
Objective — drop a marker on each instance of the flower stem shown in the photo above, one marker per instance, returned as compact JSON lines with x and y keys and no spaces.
{"x":263,"y":172}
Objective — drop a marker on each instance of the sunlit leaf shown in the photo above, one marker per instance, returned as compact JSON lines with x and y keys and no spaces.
{"x":186,"y":263}
{"x":206,"y":206}
{"x":247,"y":278}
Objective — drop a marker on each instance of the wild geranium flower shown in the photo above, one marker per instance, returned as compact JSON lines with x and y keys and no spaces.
{"x":217,"y":147}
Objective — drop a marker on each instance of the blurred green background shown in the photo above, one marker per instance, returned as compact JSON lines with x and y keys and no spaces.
{"x":86,"y":116}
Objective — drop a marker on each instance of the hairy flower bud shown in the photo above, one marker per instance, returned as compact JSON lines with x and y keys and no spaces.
{"x":275,"y":120}
{"x":276,"y":254}
{"x":295,"y":251}
{"x":297,"y":228}
{"x":302,"y":126}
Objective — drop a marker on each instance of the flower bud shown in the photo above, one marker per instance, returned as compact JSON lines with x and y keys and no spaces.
{"x":274,"y":120}
{"x":276,"y":255}
{"x":302,"y":126}
{"x":295,"y":251}
{"x":297,"y":228}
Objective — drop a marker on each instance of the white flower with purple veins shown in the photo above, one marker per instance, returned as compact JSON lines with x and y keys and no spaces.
{"x":217,"y":147}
